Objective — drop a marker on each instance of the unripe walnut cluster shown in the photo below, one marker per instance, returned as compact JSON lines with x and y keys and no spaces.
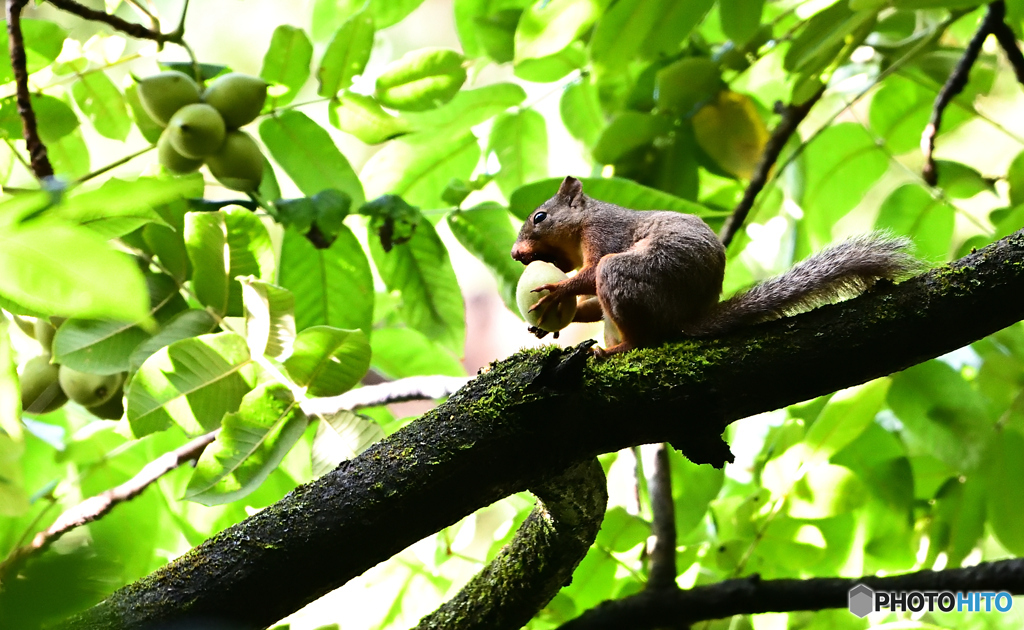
{"x":201,"y":126}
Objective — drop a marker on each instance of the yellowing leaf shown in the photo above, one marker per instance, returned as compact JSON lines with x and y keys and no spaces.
{"x":731,"y":131}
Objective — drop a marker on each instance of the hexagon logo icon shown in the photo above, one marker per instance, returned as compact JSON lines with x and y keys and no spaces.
{"x":861,"y":600}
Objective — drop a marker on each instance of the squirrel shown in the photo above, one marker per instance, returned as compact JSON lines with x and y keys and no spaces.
{"x":657,"y":275}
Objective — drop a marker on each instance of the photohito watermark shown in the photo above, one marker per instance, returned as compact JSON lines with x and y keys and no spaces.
{"x":865,"y":600}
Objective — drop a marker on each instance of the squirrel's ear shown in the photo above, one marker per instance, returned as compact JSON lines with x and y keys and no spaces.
{"x":572,"y":190}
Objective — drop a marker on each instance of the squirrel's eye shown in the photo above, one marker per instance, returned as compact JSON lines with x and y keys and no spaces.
{"x":540,"y":216}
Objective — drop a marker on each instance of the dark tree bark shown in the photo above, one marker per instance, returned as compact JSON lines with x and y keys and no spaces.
{"x":537,"y":413}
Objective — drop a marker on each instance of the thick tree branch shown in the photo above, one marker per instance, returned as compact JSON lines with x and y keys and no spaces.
{"x":38,"y":159}
{"x":540,"y":411}
{"x":955,"y":84}
{"x":792,"y":116}
{"x":530,"y":570}
{"x":654,"y":609}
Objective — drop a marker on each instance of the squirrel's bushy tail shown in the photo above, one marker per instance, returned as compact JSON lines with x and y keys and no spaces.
{"x":841,"y":271}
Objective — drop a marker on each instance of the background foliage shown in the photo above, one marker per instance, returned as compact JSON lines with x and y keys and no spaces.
{"x":227,"y":313}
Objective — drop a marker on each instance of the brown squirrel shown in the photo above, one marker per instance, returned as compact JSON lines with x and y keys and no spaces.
{"x":657,"y":275}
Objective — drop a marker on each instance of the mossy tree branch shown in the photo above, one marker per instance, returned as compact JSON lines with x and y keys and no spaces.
{"x":538,"y":412}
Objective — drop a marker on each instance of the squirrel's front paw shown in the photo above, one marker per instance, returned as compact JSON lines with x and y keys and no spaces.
{"x":555,"y":294}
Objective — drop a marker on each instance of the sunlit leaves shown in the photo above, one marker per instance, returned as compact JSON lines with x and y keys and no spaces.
{"x":421,"y":272}
{"x":308,"y":155}
{"x":97,"y":346}
{"x":914,"y":211}
{"x":422,"y":79}
{"x":486,"y":231}
{"x":364,"y":118}
{"x":328,"y":361}
{"x":731,"y":131}
{"x":332,"y":286}
{"x":346,"y":55}
{"x":103,"y":104}
{"x":1005,"y":465}
{"x":190,"y":323}
{"x":55,"y":118}
{"x":192,"y":383}
{"x":403,"y":352}
{"x":546,"y":28}
{"x":342,"y":436}
{"x":269,"y":318}
{"x":520,"y":142}
{"x":59,"y":269}
{"x":43,"y":43}
{"x":251,"y":443}
{"x":286,"y":63}
{"x":581,"y":111}
{"x":622,"y":192}
{"x":627,"y":131}
{"x":419,"y":168}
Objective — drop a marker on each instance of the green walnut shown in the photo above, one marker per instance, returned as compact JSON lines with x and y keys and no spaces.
{"x":113,"y":409}
{"x":196,"y":131}
{"x":44,"y":332}
{"x":163,"y":94}
{"x":40,"y":391}
{"x":554,"y":317}
{"x":238,"y":97}
{"x":89,"y":390}
{"x":239,"y":163}
{"x":172,"y":160}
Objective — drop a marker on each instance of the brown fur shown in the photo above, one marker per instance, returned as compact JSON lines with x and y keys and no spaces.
{"x":658,"y":274}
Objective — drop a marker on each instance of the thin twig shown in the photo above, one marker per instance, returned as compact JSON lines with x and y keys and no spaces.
{"x":954,"y":85}
{"x":1008,"y":41}
{"x":792,"y":116}
{"x":114,"y":164}
{"x":40,"y":162}
{"x":412,"y":388}
{"x":662,"y":559}
{"x":130,"y":28}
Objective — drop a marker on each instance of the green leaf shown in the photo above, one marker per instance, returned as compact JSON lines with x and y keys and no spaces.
{"x":825,"y":35}
{"x":54,"y":117}
{"x":269,"y":318}
{"x":957,"y":520}
{"x":673,"y":27}
{"x":43,"y":43}
{"x":547,"y":28}
{"x":333,"y":286}
{"x":622,"y":192}
{"x":69,"y":271}
{"x":308,"y":155}
{"x":190,"y":323}
{"x":553,"y":67}
{"x":960,"y":181}
{"x":69,"y":155}
{"x":628,"y":131}
{"x":608,"y":46}
{"x":693,"y":488}
{"x":913,"y":211}
{"x":103,"y":104}
{"x":901,"y":109}
{"x":420,"y":270}
{"x":328,"y":361}
{"x":1015,"y":178}
{"x":914,"y":5}
{"x":223,"y":245}
{"x":683,"y":85}
{"x":422,"y":79}
{"x":192,"y":383}
{"x":96,"y":346}
{"x":287,"y":62}
{"x":840,"y":165}
{"x":741,"y":19}
{"x":122,"y":206}
{"x":340,"y":437}
{"x":469,"y":108}
{"x":1004,"y":467}
{"x":848,"y":414}
{"x":251,"y":444}
{"x":149,"y":128}
{"x":419,"y":167}
{"x":496,"y":33}
{"x":10,"y":397}
{"x":486,"y":231}
{"x":364,"y":118}
{"x":520,"y":142}
{"x":942,"y":414}
{"x":581,"y":112}
{"x":346,"y":55}
{"x":403,"y":352}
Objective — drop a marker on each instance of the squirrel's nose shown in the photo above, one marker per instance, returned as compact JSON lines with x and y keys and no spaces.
{"x":520,"y":253}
